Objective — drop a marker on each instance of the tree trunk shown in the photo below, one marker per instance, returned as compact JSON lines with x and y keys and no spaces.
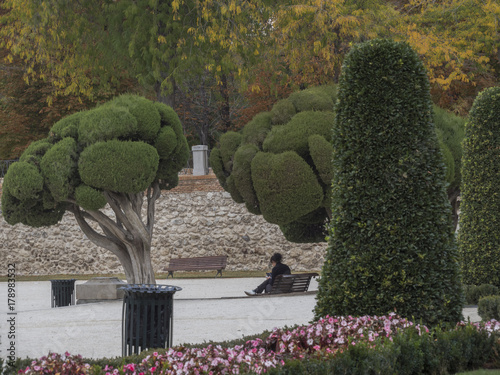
{"x":168,"y":99}
{"x":225,"y":107}
{"x":127,"y":235}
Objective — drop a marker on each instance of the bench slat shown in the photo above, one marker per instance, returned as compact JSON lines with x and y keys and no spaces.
{"x":292,"y":283}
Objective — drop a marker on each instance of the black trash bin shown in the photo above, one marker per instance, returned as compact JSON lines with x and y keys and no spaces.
{"x":63,"y":293}
{"x":147,"y":317}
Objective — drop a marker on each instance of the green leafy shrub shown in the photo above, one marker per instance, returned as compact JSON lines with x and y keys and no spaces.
{"x":479,"y":240}
{"x":243,"y":177}
{"x":294,"y":135}
{"x":37,"y":187}
{"x":278,"y":187}
{"x":489,"y":308}
{"x":295,"y":131}
{"x":282,"y":112}
{"x":89,"y":198}
{"x":315,"y":99}
{"x":67,"y":126}
{"x":35,"y":151}
{"x":321,"y":153}
{"x":145,"y":112}
{"x":166,"y":142}
{"x":391,"y":245}
{"x":256,"y":130}
{"x":23,"y":181}
{"x":128,"y":167}
{"x":105,"y":123}
{"x":230,"y":142}
{"x":473,"y":293}
{"x":59,"y":168}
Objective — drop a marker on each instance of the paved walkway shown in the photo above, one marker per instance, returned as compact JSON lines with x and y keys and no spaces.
{"x":205,"y":310}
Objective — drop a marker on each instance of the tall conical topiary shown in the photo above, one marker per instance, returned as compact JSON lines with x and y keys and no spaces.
{"x":479,"y":237}
{"x":391,"y":245}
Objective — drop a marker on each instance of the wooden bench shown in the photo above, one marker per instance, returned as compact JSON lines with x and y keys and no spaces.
{"x":295,"y":283}
{"x":197,"y":264}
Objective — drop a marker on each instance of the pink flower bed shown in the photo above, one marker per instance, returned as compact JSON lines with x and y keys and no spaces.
{"x":322,"y":338}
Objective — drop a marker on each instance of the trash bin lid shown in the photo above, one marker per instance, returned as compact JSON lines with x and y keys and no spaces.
{"x":150,"y":288}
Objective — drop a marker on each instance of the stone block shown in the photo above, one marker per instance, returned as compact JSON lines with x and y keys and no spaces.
{"x":99,"y":289}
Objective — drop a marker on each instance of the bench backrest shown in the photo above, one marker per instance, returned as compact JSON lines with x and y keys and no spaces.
{"x":199,"y":262}
{"x":298,"y":282}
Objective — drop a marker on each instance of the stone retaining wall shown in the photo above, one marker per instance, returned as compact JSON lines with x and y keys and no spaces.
{"x":195,"y":219}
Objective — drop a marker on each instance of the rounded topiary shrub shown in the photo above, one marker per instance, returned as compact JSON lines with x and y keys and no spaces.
{"x":391,"y":246}
{"x":279,"y":163}
{"x":122,"y":146}
{"x":489,"y":308}
{"x":479,"y":237}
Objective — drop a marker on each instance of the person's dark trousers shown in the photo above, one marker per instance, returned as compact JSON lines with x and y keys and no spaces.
{"x":265,"y":286}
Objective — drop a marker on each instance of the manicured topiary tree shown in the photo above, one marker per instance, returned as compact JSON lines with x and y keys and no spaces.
{"x":391,"y":247}
{"x":120,"y":154}
{"x":479,"y":236}
{"x":301,"y":124}
{"x":279,"y":165}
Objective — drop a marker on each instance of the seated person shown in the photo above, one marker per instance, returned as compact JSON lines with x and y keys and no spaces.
{"x":278,"y":269}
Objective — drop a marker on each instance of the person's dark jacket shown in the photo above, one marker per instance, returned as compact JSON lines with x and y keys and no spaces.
{"x":279,"y":269}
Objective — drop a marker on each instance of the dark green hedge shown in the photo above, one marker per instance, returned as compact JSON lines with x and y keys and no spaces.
{"x":479,"y":237}
{"x":391,"y":245}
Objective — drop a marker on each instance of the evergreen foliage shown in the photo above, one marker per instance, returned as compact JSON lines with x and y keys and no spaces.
{"x":59,"y":165}
{"x":125,"y":167}
{"x":89,"y":198}
{"x":285,"y":180}
{"x":67,"y":126}
{"x":479,"y":238}
{"x":489,"y":308}
{"x":294,"y":135}
{"x":101,"y":147}
{"x":391,"y":245}
{"x":277,"y":163}
{"x":105,"y":123}
{"x":297,"y":124}
{"x":146,"y":113}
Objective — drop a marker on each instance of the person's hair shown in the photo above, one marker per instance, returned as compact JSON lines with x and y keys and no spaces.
{"x":276,"y":258}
